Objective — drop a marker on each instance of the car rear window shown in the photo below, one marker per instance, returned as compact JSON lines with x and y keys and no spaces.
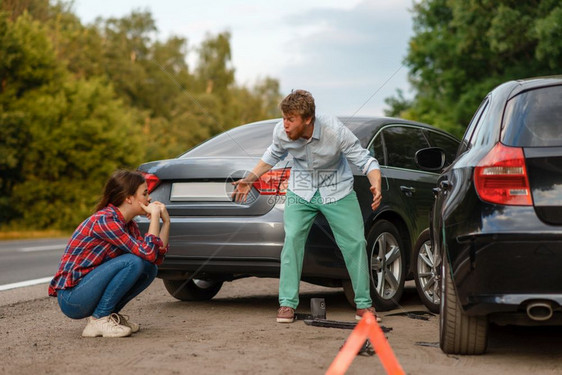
{"x":248,"y":140}
{"x":534,"y":118}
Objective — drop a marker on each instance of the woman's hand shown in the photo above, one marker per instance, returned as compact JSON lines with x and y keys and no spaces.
{"x":164,"y":215}
{"x":165,"y":229}
{"x":152,"y":210}
{"x":153,"y":213}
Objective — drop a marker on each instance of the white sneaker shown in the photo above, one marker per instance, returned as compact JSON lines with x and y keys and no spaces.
{"x":107,"y":326}
{"x":124,"y":320}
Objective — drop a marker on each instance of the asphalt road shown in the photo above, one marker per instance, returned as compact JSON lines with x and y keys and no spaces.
{"x":25,"y":260}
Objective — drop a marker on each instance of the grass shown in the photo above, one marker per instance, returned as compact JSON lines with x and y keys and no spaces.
{"x":31,"y":234}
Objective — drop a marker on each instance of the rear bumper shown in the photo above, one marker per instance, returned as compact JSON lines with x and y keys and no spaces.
{"x":225,"y":269}
{"x":504,"y":272}
{"x":238,"y":246}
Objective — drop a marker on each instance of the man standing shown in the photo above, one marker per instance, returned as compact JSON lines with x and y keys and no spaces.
{"x":321,"y":181}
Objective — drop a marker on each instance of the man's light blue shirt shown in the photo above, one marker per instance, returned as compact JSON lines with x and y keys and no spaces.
{"x":321,"y":162}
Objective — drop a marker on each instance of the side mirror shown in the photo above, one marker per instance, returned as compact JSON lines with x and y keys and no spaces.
{"x":430,"y":159}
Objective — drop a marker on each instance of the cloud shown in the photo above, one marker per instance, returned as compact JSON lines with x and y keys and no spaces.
{"x":343,"y":52}
{"x":350,"y":53}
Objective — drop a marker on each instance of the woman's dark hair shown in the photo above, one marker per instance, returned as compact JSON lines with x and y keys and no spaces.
{"x":120,"y":185}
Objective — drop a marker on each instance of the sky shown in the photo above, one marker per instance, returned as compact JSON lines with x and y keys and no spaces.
{"x":348,"y":54}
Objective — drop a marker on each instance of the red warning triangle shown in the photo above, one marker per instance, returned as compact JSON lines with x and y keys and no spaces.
{"x":367,"y":328}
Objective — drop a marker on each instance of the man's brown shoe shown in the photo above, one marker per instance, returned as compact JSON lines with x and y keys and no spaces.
{"x":285,"y":314}
{"x":359,"y":313}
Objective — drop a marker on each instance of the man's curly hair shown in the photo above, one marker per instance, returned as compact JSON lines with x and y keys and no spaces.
{"x":299,"y":102}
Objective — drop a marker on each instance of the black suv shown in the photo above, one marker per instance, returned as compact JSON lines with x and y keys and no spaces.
{"x":213,"y":240}
{"x":497,"y":219}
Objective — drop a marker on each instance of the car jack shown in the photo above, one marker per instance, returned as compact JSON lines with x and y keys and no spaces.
{"x":318,"y":317}
{"x":332,"y":323}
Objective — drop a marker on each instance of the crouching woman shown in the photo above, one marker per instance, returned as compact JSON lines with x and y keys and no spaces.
{"x":107,"y":262}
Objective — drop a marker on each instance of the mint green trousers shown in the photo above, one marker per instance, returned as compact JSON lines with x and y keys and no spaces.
{"x":346,"y":222}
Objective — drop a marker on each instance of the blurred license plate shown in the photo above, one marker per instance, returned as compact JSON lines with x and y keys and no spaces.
{"x":201,"y":192}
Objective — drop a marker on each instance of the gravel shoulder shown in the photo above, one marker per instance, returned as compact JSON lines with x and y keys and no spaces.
{"x":236,"y":333}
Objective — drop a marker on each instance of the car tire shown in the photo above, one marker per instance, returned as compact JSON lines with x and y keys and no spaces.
{"x":427,"y":272}
{"x":348,"y":292}
{"x":192,"y":289}
{"x":458,"y":332}
{"x":387,"y":260}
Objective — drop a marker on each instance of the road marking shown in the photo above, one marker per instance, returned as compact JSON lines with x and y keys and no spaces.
{"x":42,"y":248}
{"x":21,"y":284}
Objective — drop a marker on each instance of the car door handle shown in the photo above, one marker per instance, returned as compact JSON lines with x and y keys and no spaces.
{"x":408,"y":190}
{"x":436,"y":191}
{"x":445,"y":185}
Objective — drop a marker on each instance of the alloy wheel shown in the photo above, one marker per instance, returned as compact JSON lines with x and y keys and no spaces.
{"x":386,"y":265}
{"x":428,"y":273}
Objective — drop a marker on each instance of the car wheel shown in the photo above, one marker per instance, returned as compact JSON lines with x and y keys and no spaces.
{"x":387,"y":265}
{"x":458,"y":332}
{"x":427,"y":273}
{"x":193,"y":289}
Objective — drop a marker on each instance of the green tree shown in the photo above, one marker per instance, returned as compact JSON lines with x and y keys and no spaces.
{"x":38,"y":9}
{"x":267,"y":92}
{"x":78,"y":101}
{"x":463,"y":48}
{"x":214,"y":70}
{"x":79,"y":135}
{"x":26,"y":63}
{"x":60,"y":137}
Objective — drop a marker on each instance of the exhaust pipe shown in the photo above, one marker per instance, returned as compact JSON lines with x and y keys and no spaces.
{"x":539,"y":311}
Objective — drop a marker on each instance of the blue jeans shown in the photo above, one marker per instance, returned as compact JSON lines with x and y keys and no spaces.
{"x":108,"y":288}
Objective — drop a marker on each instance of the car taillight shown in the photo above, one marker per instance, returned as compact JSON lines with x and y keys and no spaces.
{"x":501,"y":177}
{"x":273,"y":182}
{"x":151,"y":180}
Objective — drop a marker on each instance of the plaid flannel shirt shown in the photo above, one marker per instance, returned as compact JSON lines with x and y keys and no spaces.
{"x":101,"y":237}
